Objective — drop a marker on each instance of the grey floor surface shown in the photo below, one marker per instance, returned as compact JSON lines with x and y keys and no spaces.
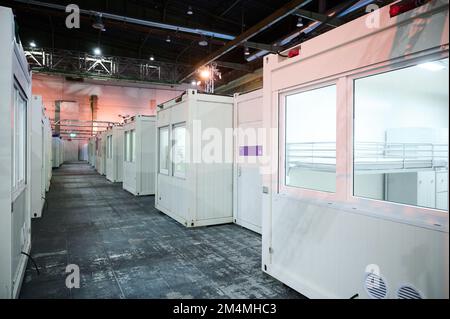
{"x":125,"y":248}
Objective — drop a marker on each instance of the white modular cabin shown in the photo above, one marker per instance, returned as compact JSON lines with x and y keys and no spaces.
{"x":91,"y":151}
{"x":114,"y":154}
{"x":249,"y":152}
{"x":195,"y":159}
{"x":40,"y":138}
{"x":100,"y":156}
{"x":139,"y":160}
{"x":57,"y":152}
{"x":362,"y":113}
{"x":15,"y":149}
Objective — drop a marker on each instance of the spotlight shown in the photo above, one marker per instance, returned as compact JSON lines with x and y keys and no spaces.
{"x":152,"y":58}
{"x":300,"y":22}
{"x":190,"y":11}
{"x":205,"y":74}
{"x":194,"y":83}
{"x":32,"y":44}
{"x":97,"y":51}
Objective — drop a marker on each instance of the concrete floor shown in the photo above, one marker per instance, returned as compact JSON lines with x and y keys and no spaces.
{"x":125,"y":248}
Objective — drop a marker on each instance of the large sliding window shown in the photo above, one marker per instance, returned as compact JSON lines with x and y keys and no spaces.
{"x":19,"y":141}
{"x":164,"y":150}
{"x":401,"y":136}
{"x":179,"y":150}
{"x":310,"y":139}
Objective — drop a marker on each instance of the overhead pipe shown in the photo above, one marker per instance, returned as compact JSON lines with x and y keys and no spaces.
{"x":151,"y":24}
{"x":311,"y":27}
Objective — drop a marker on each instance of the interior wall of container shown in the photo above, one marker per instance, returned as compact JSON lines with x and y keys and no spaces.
{"x":309,"y":236}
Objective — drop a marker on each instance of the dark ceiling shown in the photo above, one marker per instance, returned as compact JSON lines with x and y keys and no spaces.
{"x":46,"y":26}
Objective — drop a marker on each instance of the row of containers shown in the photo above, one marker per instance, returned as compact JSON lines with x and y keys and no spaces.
{"x":347,"y":181}
{"x":341,"y":161}
{"x":191,"y":157}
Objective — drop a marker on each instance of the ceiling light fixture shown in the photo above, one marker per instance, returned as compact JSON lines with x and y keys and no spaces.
{"x":246,"y":51}
{"x":300,"y":22}
{"x":203,"y":42}
{"x":152,"y":58}
{"x":168,"y":39}
{"x":432,"y":66}
{"x":190,"y":11}
{"x":98,"y":23}
{"x":194,"y":83}
{"x":32,"y":44}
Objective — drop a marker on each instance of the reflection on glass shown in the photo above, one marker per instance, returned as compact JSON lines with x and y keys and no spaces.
{"x":311,"y":139}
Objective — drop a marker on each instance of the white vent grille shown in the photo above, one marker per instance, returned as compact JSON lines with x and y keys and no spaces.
{"x":408,"y":292}
{"x":375,"y":286}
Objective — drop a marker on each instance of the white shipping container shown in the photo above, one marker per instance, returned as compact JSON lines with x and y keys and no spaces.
{"x":15,"y":159}
{"x":139,"y":160}
{"x":57,"y":152}
{"x":329,"y":231}
{"x":193,"y":188}
{"x":114,"y":154}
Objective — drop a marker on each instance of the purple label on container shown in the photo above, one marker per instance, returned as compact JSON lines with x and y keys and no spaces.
{"x":251,"y":150}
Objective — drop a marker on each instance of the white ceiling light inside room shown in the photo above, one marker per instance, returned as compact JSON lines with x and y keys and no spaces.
{"x":432,"y":66}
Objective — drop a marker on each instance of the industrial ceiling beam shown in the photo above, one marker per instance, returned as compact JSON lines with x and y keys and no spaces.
{"x":123,"y":19}
{"x":234,"y":66}
{"x":266,"y":23}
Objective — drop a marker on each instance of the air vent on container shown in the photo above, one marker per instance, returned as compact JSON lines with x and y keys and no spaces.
{"x":408,"y":292}
{"x":375,"y":286}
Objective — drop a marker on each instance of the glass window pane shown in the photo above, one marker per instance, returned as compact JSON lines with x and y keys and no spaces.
{"x":311,"y":139}
{"x":179,"y":150}
{"x":164,"y":151}
{"x":401,"y":136}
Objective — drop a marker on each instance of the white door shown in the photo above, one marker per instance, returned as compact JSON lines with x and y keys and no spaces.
{"x":249,"y":182}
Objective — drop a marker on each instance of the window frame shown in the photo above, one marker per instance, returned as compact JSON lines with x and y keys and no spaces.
{"x":172,"y":145}
{"x":168,"y":155}
{"x":126,"y":146}
{"x":415,"y":215}
{"x":19,"y":178}
{"x":293,"y":191}
{"x":133,"y":146}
